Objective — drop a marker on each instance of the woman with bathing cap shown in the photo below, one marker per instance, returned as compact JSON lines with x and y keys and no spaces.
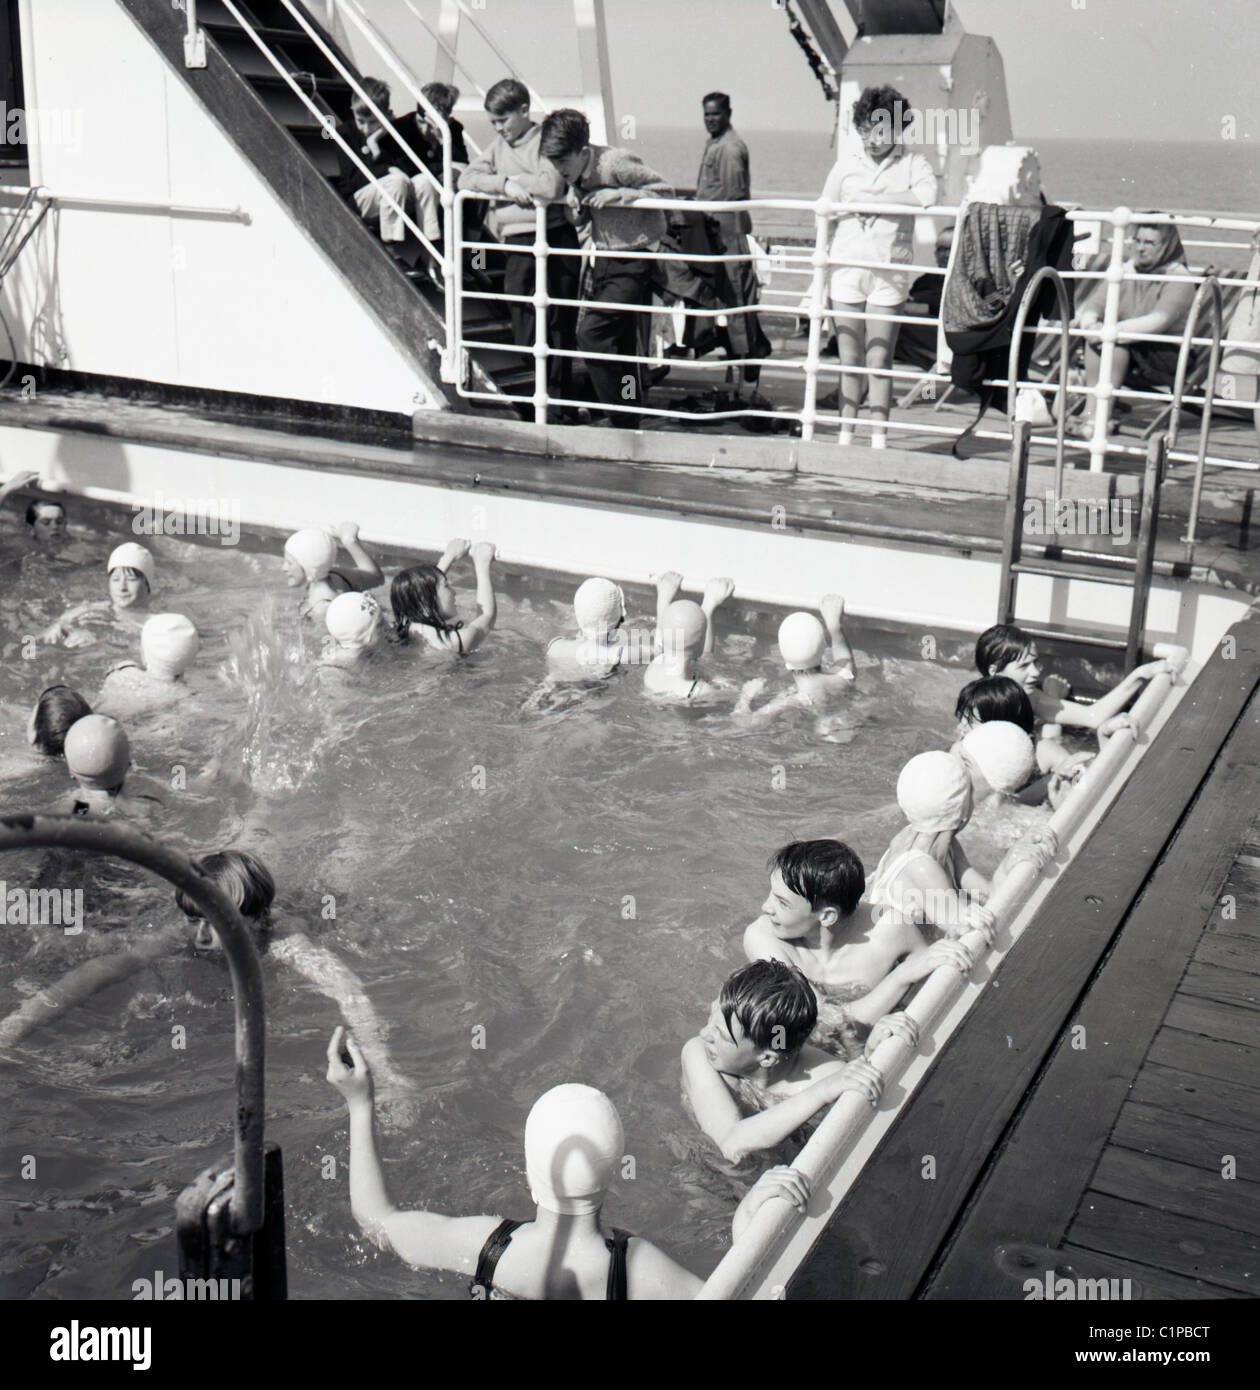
{"x":308,"y":559}
{"x":803,"y":646}
{"x":600,"y":609}
{"x":131,"y":572}
{"x":684,"y":633}
{"x":98,"y":756}
{"x":425,"y":603}
{"x":924,"y":872}
{"x":168,"y":644}
{"x":573,"y":1149}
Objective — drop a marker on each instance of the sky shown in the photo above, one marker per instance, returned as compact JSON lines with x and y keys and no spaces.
{"x":1121,"y":69}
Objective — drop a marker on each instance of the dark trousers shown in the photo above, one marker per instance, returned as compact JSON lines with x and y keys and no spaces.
{"x":563,"y":280}
{"x":608,"y":330}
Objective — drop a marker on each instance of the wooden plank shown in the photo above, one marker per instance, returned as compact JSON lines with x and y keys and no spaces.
{"x":1179,"y":1187}
{"x":887,"y":1230}
{"x":1204,"y":1096}
{"x":1195,"y":1249}
{"x":1149,"y":1285}
{"x":1229,"y":952}
{"x":1212,"y":1019}
{"x":1187,"y":1139}
{"x":1226,"y":1061}
{"x":1224,"y":986}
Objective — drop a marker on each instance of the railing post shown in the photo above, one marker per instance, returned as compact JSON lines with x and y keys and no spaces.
{"x":817,"y":298}
{"x":194,"y":38}
{"x":1211,"y":290}
{"x":541,"y":302}
{"x":1104,"y":391}
{"x":453,"y":357}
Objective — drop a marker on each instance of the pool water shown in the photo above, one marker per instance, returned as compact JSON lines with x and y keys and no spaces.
{"x":532,"y":890}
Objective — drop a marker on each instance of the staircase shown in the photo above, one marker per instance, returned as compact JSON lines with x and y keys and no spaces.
{"x":286,"y":143}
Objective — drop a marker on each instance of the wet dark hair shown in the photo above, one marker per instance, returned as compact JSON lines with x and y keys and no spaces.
{"x":720,"y":97}
{"x":999,"y":646}
{"x":56,"y":710}
{"x":886,"y":99}
{"x":770,"y":995}
{"x":32,"y":509}
{"x":413,"y":597}
{"x":825,"y":872}
{"x":564,"y":132}
{"x":242,"y":877}
{"x":506,"y":95}
{"x":995,"y":697}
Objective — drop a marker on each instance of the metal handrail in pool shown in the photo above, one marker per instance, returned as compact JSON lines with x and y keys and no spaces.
{"x":745,"y":1266}
{"x":24,"y":831}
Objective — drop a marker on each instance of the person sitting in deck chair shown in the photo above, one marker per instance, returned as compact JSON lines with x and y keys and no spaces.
{"x":1146,"y":306}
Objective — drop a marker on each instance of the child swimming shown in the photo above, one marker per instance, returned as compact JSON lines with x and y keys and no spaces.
{"x":425,"y":605}
{"x":684,"y":633}
{"x":750,"y":1076}
{"x":573,"y":1152}
{"x":803,"y":644}
{"x":1006,"y":650}
{"x":353,"y":621}
{"x":56,"y":710}
{"x":993,"y":698}
{"x":600,"y":609}
{"x":816,"y":920}
{"x":131,"y":571}
{"x":309,"y":556}
{"x":168,"y":646}
{"x":98,"y":756}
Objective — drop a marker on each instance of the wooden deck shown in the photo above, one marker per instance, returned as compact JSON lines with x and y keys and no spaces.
{"x":1098,"y":1116}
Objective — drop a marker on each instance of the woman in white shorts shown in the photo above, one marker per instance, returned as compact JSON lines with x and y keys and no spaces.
{"x":885,"y":172}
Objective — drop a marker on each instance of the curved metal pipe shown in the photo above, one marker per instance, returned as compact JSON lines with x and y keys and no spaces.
{"x":25,"y":831}
{"x":1046,"y":272}
{"x":1209,"y":391}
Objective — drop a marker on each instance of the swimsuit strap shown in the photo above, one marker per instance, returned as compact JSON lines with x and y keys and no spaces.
{"x":617,"y":1282}
{"x":491,"y":1252}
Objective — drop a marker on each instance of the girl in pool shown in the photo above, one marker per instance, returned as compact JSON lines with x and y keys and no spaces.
{"x":308,"y":559}
{"x":131,"y":571}
{"x":1006,"y":650}
{"x":56,"y":711}
{"x":425,"y":606}
{"x":803,"y":645}
{"x":168,"y":646}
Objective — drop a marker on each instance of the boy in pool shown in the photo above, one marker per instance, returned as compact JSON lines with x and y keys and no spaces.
{"x":425,"y":604}
{"x":168,"y":647}
{"x":803,"y":644}
{"x":56,"y":711}
{"x":815,"y":919}
{"x":600,"y":609}
{"x":45,"y":520}
{"x":750,"y":1077}
{"x":1006,"y":650}
{"x":573,"y":1151}
{"x":98,"y":756}
{"x":131,"y":572}
{"x":309,"y":556}
{"x":684,"y":633}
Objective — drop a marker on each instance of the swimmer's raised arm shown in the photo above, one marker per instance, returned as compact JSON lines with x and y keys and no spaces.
{"x":831,"y":608}
{"x":456,"y":549}
{"x":1060,"y":711}
{"x":668,"y":583}
{"x":423,"y":1239}
{"x":368,"y":575}
{"x":473,"y":634}
{"x":716,"y":592}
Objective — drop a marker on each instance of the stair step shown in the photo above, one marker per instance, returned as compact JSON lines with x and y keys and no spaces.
{"x":322,"y":153}
{"x":287,"y":38}
{"x":290,"y":111}
{"x":1071,"y":569}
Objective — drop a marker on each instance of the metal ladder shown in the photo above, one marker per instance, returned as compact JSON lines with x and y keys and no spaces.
{"x":1132,"y":572}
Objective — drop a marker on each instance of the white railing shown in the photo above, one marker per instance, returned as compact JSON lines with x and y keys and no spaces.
{"x":743,"y":1271}
{"x":815,"y":264}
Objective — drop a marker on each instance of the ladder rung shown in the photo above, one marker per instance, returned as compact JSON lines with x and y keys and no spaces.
{"x":1083,"y":638}
{"x":1064,"y":569}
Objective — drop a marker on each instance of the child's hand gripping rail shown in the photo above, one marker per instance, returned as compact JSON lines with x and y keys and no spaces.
{"x":894,"y":1038}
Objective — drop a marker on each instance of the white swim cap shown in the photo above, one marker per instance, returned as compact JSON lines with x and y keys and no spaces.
{"x":98,"y":751}
{"x":599,"y":606}
{"x":934,"y":792}
{"x":802,"y":641}
{"x":684,"y":626}
{"x":168,"y":642}
{"x":573,"y":1143}
{"x":314,"y":550}
{"x":1002,"y":752}
{"x":129,"y":555}
{"x":352,"y":618}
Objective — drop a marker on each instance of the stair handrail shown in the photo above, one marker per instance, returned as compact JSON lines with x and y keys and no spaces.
{"x":1045,"y":272}
{"x":444,"y":46}
{"x":1211,"y":290}
{"x":24,"y":830}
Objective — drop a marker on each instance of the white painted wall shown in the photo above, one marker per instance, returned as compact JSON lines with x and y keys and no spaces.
{"x":188,"y":301}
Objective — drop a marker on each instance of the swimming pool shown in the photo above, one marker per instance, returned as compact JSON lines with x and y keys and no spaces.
{"x":532,"y":890}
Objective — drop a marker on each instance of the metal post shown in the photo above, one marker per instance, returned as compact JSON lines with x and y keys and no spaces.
{"x":1144,"y":559}
{"x":596,"y":72}
{"x":194,"y":38}
{"x":1210,"y":290}
{"x":1012,"y":535}
{"x":1107,"y":344}
{"x":817,"y":297}
{"x":1046,"y":272}
{"x":541,"y":301}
